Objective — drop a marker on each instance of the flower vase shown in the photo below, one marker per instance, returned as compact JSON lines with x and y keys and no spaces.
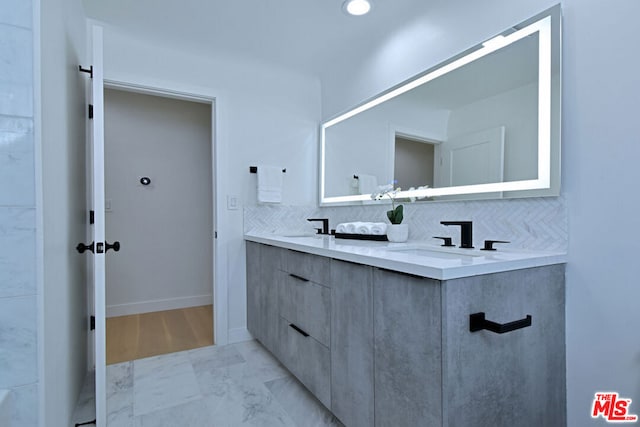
{"x":398,"y":233}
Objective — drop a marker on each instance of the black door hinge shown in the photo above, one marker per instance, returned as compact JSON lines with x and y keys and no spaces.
{"x":92,"y":323}
{"x":90,"y":111}
{"x":92,"y":217}
{"x":86,"y":70}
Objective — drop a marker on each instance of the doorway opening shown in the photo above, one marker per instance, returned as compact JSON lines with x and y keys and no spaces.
{"x":414,"y":161}
{"x":159,"y":196}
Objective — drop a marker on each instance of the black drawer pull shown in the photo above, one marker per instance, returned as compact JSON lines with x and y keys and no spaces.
{"x":295,"y":276}
{"x":298,"y":330}
{"x":477,"y":322}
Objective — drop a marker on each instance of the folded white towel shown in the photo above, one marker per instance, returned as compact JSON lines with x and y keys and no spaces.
{"x":364,"y":228}
{"x":351,"y":227}
{"x":378,"y":228}
{"x":269,"y":184}
{"x":341,"y":228}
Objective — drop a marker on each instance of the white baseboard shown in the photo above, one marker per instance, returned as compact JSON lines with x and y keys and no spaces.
{"x":239,"y":335}
{"x":158,"y":305}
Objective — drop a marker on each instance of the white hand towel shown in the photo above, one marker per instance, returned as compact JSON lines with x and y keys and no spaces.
{"x":378,"y":228}
{"x":364,"y":228}
{"x":269,"y":184}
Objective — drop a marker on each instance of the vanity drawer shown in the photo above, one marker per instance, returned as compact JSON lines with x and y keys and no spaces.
{"x":307,"y":304}
{"x":311,"y":267}
{"x":307,"y":359}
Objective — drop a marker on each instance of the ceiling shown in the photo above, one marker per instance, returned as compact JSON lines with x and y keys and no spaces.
{"x":307,"y":35}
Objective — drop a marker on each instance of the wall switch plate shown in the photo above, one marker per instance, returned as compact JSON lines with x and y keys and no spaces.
{"x":232,"y":202}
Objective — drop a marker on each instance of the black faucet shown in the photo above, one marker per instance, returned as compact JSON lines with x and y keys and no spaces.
{"x":325,"y":225}
{"x":466,"y":232}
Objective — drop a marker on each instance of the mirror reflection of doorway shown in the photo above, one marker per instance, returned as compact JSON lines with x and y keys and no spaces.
{"x":414,"y":162}
{"x":158,"y":202}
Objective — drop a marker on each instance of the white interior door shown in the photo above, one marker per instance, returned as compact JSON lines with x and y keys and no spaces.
{"x":96,"y":197}
{"x":473,"y":158}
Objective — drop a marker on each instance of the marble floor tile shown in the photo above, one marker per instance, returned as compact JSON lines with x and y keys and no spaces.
{"x":86,"y":405}
{"x":162,"y":382}
{"x":120,"y":395}
{"x":231,"y":386}
{"x":261,"y":365}
{"x":246,"y":403}
{"x":303,"y":408}
{"x":214,"y":357}
{"x":195,"y":413}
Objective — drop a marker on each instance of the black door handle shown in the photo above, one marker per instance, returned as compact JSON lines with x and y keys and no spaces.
{"x":115,"y":246}
{"x":81,"y":247}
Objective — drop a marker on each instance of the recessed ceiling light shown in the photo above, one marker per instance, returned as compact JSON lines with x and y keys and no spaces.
{"x":356,"y":7}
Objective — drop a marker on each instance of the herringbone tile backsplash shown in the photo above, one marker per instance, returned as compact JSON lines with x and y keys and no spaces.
{"x":535,"y":223}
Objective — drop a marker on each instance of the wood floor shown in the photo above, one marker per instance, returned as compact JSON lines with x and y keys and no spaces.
{"x":151,"y":334}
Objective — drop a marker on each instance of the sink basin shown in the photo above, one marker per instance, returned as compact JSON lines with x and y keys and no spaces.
{"x":299,"y":234}
{"x":436,"y":252}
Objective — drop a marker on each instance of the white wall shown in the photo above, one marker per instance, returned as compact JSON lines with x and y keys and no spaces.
{"x":600,"y":150}
{"x":165,"y":228}
{"x":264,"y":115}
{"x":63,"y":106}
{"x":19,"y":293}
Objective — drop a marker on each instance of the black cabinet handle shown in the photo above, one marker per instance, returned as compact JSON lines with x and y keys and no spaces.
{"x":477,"y":322}
{"x":295,"y":276}
{"x":298,"y":330}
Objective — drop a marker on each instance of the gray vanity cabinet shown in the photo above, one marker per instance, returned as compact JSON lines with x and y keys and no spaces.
{"x":431,"y":370}
{"x":264,"y":263}
{"x":511,"y":379}
{"x":383,"y":348}
{"x":352,"y":343}
{"x":408,"y":350}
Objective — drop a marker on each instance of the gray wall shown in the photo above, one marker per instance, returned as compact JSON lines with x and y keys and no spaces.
{"x":165,"y":228}
{"x":18,"y":289}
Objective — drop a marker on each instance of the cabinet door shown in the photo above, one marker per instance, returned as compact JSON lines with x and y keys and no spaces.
{"x":263,"y":273}
{"x":511,"y":379}
{"x":407,"y":335}
{"x":352,"y":343}
{"x":254,"y":291}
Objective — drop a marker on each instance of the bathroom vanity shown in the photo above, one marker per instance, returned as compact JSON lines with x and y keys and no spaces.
{"x":381,"y":333}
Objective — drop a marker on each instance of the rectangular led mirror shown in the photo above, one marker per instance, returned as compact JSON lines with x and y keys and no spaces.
{"x":484,"y":124}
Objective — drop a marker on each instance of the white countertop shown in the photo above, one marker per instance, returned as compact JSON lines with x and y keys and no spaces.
{"x":415,"y":257}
